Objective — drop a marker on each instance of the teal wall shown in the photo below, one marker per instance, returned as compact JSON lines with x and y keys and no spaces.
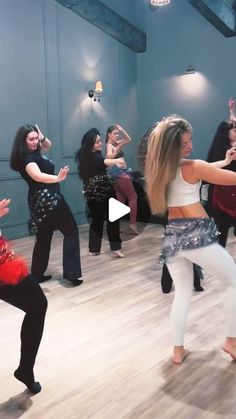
{"x":178,"y":36}
{"x":50,"y":58}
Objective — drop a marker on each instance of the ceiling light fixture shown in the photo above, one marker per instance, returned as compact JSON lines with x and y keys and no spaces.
{"x":156,"y":3}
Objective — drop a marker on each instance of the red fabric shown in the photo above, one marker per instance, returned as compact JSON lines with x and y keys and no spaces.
{"x":13,"y":268}
{"x":224,"y":198}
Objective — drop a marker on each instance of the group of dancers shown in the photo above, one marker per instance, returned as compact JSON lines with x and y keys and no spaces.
{"x":173,"y":182}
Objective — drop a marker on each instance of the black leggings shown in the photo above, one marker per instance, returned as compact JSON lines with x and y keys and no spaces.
{"x":29,"y":297}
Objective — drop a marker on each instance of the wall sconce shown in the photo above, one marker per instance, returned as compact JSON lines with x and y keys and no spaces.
{"x":189,"y":70}
{"x":97,"y":92}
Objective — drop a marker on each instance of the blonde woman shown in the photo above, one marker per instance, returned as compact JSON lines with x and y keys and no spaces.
{"x":173,"y":184}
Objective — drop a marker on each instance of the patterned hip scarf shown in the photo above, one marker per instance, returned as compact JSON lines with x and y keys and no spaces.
{"x":187,"y":233}
{"x":42,"y":203}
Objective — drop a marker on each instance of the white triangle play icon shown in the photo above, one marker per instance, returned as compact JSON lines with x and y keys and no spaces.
{"x":116,"y":210}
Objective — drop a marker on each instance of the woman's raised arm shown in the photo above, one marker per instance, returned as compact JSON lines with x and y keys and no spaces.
{"x":126,"y":138}
{"x":45,"y":143}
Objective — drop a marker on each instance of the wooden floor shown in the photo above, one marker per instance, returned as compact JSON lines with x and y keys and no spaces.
{"x":106,"y":349}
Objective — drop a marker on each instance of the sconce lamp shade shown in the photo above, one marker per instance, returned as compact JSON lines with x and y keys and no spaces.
{"x":190,"y":69}
{"x":98,"y":86}
{"x":97,"y":92}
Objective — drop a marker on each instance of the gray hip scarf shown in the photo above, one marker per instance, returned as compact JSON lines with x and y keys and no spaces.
{"x":187,"y":233}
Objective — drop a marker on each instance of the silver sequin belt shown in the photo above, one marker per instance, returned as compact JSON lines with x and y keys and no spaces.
{"x":187,"y":233}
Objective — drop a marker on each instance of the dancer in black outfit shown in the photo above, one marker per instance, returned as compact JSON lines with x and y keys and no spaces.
{"x":48,"y":208}
{"x":21,"y":290}
{"x":221,"y":203}
{"x":97,"y":190}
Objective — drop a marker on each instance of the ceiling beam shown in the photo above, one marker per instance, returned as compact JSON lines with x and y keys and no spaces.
{"x":219,"y":13}
{"x":95,"y":12}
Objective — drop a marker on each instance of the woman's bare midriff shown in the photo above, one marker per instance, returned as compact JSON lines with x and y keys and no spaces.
{"x":195,"y":210}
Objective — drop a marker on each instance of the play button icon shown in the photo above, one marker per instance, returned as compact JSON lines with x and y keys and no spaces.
{"x":116,"y":210}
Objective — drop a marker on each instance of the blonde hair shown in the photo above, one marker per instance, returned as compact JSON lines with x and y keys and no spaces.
{"x":162,"y":160}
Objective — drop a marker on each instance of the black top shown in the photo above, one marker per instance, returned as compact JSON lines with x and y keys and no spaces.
{"x":119,"y":154}
{"x":92,"y":165}
{"x":45,"y":165}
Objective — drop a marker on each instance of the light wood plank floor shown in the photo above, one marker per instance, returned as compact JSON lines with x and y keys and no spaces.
{"x":106,"y":350}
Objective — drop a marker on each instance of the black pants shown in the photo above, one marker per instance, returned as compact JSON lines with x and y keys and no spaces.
{"x":29,"y":297}
{"x":166,"y":280}
{"x":63,"y":220}
{"x":99,"y":212}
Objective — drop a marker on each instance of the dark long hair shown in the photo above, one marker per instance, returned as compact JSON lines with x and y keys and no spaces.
{"x":221,"y":143}
{"x":142,"y":148}
{"x":19,"y":147}
{"x":110,"y":130}
{"x":83,"y":153}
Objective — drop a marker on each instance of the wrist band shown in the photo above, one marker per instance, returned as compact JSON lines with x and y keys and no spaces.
{"x":43,"y":139}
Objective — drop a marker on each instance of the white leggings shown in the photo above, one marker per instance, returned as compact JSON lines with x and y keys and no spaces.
{"x":217,"y":262}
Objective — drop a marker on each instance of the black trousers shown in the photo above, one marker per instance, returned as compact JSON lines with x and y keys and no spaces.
{"x":63,"y":220}
{"x":29,"y":297}
{"x":99,"y":213}
{"x":166,"y":280}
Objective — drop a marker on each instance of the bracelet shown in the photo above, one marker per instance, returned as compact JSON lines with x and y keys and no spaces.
{"x":43,"y":139}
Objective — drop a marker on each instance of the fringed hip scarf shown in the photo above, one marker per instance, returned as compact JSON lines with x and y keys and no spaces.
{"x":187,"y":233}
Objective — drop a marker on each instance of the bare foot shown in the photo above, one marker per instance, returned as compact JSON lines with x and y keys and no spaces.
{"x":118,"y":253}
{"x":180,"y":353}
{"x":94,"y":253}
{"x":230,"y":347}
{"x":134,"y":229}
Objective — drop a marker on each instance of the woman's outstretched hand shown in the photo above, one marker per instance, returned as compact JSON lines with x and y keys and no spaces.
{"x":41,"y":136}
{"x":63,"y":173}
{"x":4,"y":206}
{"x":231,"y":104}
{"x":230,"y":155}
{"x":119,"y":127}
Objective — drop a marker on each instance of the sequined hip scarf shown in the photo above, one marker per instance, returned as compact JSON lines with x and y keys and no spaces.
{"x":187,"y":233}
{"x":42,"y":202}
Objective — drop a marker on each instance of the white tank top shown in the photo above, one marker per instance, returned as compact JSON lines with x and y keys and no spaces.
{"x":182,"y":193}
